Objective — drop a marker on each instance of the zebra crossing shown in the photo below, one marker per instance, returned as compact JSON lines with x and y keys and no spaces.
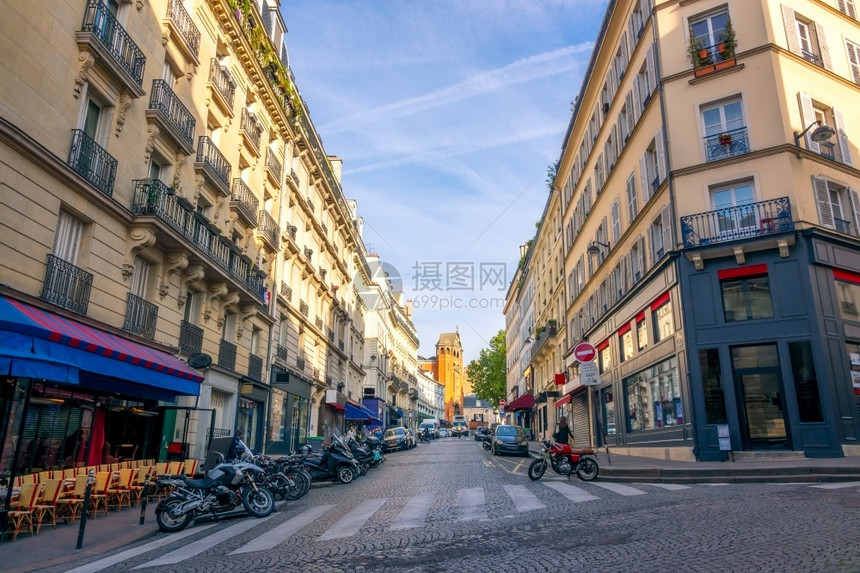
{"x":471,"y":505}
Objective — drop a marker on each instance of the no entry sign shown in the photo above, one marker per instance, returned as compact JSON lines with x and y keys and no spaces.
{"x":584,"y":352}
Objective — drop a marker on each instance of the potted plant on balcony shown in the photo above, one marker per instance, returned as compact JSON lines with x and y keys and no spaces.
{"x":725,"y":138}
{"x":698,"y":53}
{"x":728,"y":41}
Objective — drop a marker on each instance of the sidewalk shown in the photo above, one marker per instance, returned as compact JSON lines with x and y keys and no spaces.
{"x":622,"y":468}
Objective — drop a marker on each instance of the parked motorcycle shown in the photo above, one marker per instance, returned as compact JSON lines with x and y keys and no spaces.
{"x":224,"y":488}
{"x":282,"y":484}
{"x":335,"y":462}
{"x":565,"y":461}
{"x":487,"y":441}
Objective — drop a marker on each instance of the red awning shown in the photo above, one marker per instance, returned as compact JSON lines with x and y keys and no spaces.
{"x":336,"y":406}
{"x":524,"y":402}
{"x":561,"y":402}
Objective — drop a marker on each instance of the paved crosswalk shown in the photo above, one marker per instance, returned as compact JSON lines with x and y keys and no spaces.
{"x":412,"y":513}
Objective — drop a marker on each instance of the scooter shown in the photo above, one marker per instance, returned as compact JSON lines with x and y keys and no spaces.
{"x":336,"y":462}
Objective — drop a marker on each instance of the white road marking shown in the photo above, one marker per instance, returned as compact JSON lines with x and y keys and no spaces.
{"x":837,"y":485}
{"x":198,"y":547}
{"x":669,"y":486}
{"x":714,"y":484}
{"x":523,"y":499}
{"x":618,"y":488}
{"x":126,"y":555}
{"x":488,"y":463}
{"x":349,"y":524}
{"x":473,"y":505}
{"x":280,"y":533}
{"x":414,"y":513}
{"x":571,"y":492}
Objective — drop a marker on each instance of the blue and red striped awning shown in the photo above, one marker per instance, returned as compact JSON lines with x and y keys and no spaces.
{"x":41,"y":343}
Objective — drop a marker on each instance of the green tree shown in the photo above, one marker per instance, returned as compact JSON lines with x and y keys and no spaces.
{"x":488,"y":374}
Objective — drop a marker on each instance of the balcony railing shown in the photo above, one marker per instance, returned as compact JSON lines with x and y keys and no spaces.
{"x":843,"y":226}
{"x":294,"y":177}
{"x":741,"y":222}
{"x":190,"y":338}
{"x":92,"y":162}
{"x":152,"y":197}
{"x":727,"y":144}
{"x":173,"y":112}
{"x":103,"y":25}
{"x":713,"y":58}
{"x":255,"y":367}
{"x":291,"y":231}
{"x":181,"y":19}
{"x":300,"y":363}
{"x":286,"y":291}
{"x":269,"y":228}
{"x":318,"y":322}
{"x":227,"y":355}
{"x":303,"y":307}
{"x":281,"y":352}
{"x":274,"y":166}
{"x":245,"y":201}
{"x":214,"y":162}
{"x":140,"y":317}
{"x":340,"y":345}
{"x":66,"y":285}
{"x":250,"y":125}
{"x":220,"y":77}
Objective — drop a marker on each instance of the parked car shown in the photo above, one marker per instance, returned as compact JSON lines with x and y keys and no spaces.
{"x":481,"y":432}
{"x":395,"y":439}
{"x":444,"y":433}
{"x":510,"y":440}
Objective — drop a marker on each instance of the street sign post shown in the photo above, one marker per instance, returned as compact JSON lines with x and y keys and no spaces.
{"x":502,"y":403}
{"x":584,"y":352}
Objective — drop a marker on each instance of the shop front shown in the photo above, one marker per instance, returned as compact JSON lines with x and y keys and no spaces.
{"x":289,"y":417}
{"x":75,"y":395}
{"x":251,"y":413}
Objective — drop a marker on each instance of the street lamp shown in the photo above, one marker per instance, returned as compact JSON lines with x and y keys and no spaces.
{"x":822,"y":133}
{"x":593,"y":248}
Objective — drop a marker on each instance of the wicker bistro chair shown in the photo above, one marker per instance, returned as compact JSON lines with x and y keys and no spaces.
{"x":122,"y":489}
{"x":99,"y":495}
{"x":138,"y":483}
{"x":21,"y":513}
{"x":70,"y":505}
{"x":47,"y":505}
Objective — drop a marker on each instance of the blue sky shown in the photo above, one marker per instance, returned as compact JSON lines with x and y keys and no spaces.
{"x":447,"y":114}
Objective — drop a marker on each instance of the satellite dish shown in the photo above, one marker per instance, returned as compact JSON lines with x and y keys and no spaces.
{"x":199,"y":360}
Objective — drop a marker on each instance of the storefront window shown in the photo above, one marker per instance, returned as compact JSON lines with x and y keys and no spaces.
{"x":626,"y":345}
{"x":805,"y":382}
{"x":746,"y":298}
{"x":654,"y":397}
{"x":605,"y":358}
{"x":854,"y":364}
{"x":641,"y":333}
{"x":663,"y":327}
{"x":848,"y":294}
{"x":606,"y":399}
{"x":12,"y":396}
{"x":715,"y":403}
{"x":246,"y":422}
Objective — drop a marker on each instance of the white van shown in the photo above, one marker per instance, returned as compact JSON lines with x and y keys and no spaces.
{"x":431,"y":424}
{"x":459,"y":426}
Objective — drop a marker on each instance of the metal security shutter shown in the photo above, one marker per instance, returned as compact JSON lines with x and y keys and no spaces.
{"x":579,"y":407}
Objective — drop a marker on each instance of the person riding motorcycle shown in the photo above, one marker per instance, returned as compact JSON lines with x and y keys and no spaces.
{"x":563,"y":435}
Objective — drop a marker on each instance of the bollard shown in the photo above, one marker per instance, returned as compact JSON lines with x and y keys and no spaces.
{"x":91,"y":477}
{"x":144,"y":497}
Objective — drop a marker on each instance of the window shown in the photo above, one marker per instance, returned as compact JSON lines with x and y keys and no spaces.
{"x":708,"y":30}
{"x":661,"y":235}
{"x":746,"y":297}
{"x":805,"y":382}
{"x":712,"y":388}
{"x":616,"y":222}
{"x":256,"y":334}
{"x":804,"y":35}
{"x":663,"y":325}
{"x":725,"y":132}
{"x":67,"y":241}
{"x":652,"y":167}
{"x":641,"y":332}
{"x":646,"y":79}
{"x":228,"y":331}
{"x":806,"y":38}
{"x":838,"y":206}
{"x":140,"y":277}
{"x":637,"y":22}
{"x":608,"y":405}
{"x":637,"y":261}
{"x":632,"y":201}
{"x":654,"y":397}
{"x":848,"y":294}
{"x":847,"y":7}
{"x":625,"y":343}
{"x":193,"y":300}
{"x":735,"y":210}
{"x":604,"y":357}
{"x":854,"y":60}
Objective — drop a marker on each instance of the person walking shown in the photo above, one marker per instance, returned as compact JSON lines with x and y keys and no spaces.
{"x":563,"y":435}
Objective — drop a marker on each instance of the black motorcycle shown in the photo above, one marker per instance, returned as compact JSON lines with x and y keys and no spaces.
{"x":335,"y":462}
{"x":224,"y":488}
{"x":424,"y":436}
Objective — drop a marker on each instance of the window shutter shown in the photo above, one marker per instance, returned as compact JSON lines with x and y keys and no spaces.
{"x":628,"y":268}
{"x":641,"y":255}
{"x":855,"y":208}
{"x":637,"y":107}
{"x":844,"y":144}
{"x":808,"y":119}
{"x":666,"y":223}
{"x":822,"y":46}
{"x":616,"y":223}
{"x":645,"y":10}
{"x":651,"y":69}
{"x":631,"y":113}
{"x":822,"y":197}
{"x":139,"y":277}
{"x":632,"y":207}
{"x":790,"y":29}
{"x":643,"y":178}
{"x":661,"y":154}
{"x":632,"y":28}
{"x":625,"y":58}
{"x":67,"y":241}
{"x":854,"y":60}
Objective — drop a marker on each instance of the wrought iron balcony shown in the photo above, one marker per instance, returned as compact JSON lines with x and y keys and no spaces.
{"x":318,"y":322}
{"x":543,"y":334}
{"x":281,"y":352}
{"x":124,"y":56}
{"x":140,"y":317}
{"x":273,"y":167}
{"x":190,"y":338}
{"x":66,"y":285}
{"x":244,"y":201}
{"x":713,"y":58}
{"x":727,"y":144}
{"x":166,"y":108}
{"x":843,"y":226}
{"x":286,"y":291}
{"x":227,"y":355}
{"x":251,"y":130}
{"x":309,"y":252}
{"x":741,"y":222}
{"x":269,"y":229}
{"x":180,"y":20}
{"x":213,"y":164}
{"x":303,"y":308}
{"x":92,"y":162}
{"x":294,"y":177}
{"x":291,"y":231}
{"x":255,"y":367}
{"x":330,"y":334}
{"x":300,"y":362}
{"x":222,"y":81}
{"x":152,"y":197}
{"x":340,"y":345}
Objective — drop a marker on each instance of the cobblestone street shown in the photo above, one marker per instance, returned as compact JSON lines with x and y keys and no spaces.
{"x":451,"y":506}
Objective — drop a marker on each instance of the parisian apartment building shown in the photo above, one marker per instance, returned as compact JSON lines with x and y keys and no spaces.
{"x":707,"y":218}
{"x":178,"y":260}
